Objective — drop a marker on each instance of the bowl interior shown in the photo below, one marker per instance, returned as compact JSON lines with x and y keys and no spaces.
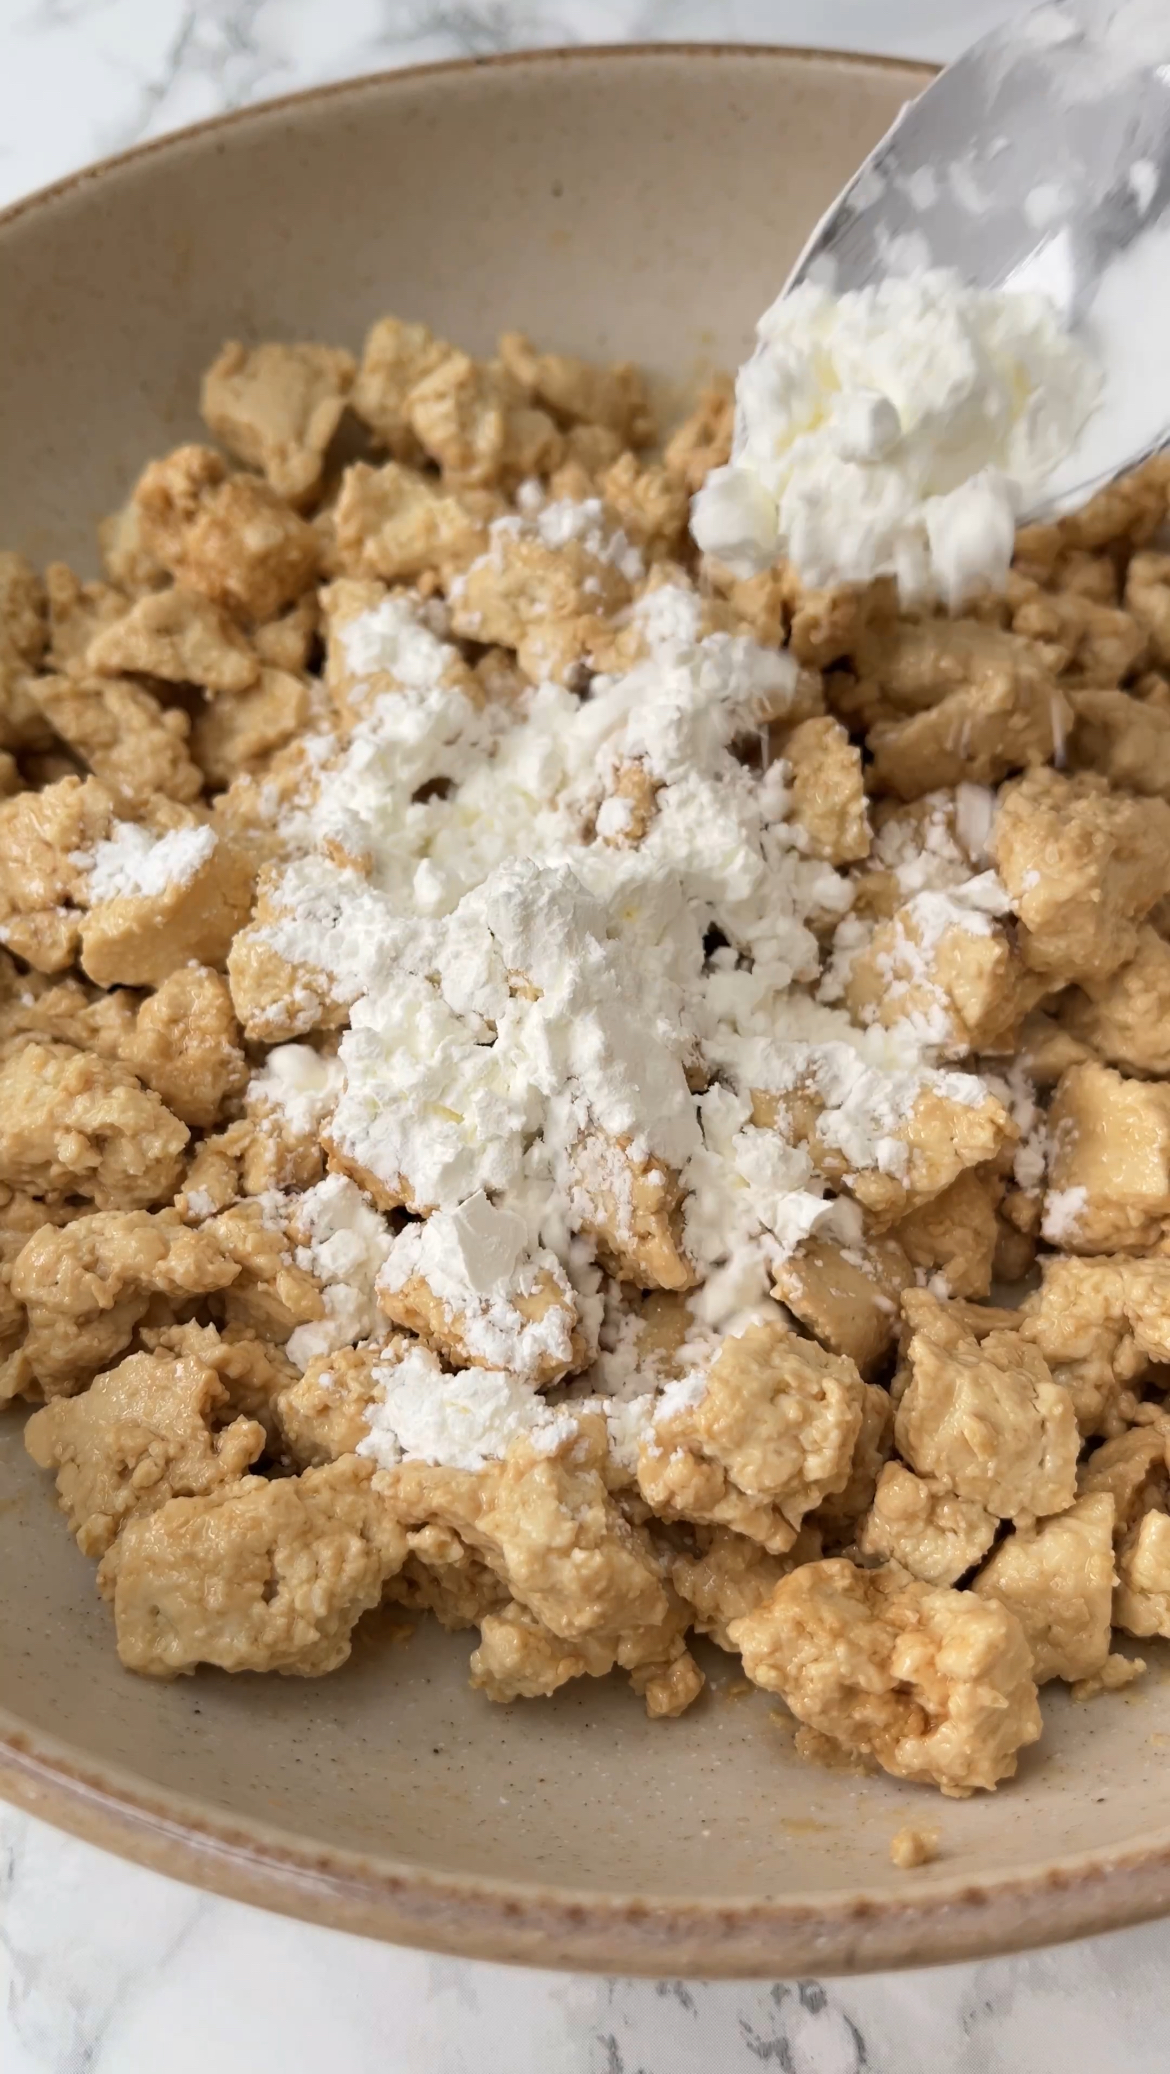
{"x":644,"y":205}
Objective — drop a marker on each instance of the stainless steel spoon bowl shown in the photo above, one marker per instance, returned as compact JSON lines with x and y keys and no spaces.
{"x":1039,"y":160}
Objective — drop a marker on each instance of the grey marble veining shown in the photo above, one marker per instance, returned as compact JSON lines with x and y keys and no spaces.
{"x":108,"y":1969}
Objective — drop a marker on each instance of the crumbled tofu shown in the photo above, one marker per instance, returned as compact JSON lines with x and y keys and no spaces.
{"x":548,"y":1527}
{"x":771,"y":1431}
{"x":955,"y":1234}
{"x":44,"y":838}
{"x":729,"y":1575}
{"x":396,"y":525}
{"x":848,"y":1299}
{"x":78,"y":613}
{"x":186,"y":1045}
{"x":474,"y":419}
{"x":87,"y":1285}
{"x":920,"y":1523}
{"x":934,"y":1683}
{"x":1109,"y":1162}
{"x":1147,"y":598}
{"x":1083,"y":867}
{"x":146,"y":1432}
{"x":1131,"y":1469}
{"x":952,"y":973}
{"x":1124,"y":738}
{"x":581,"y":392}
{"x":396,"y":357}
{"x":23,"y":637}
{"x":137,"y":939}
{"x":297,"y":1561}
{"x":277,"y":407}
{"x":243,"y":733}
{"x":1141,"y":1603}
{"x":1099,"y":1325}
{"x":71,"y":1121}
{"x":1124,"y":1019}
{"x":549,"y":600}
{"x":987,"y":1420}
{"x":229,"y":536}
{"x":135,"y":747}
{"x":827,"y":792}
{"x":632,"y":1207}
{"x":1058,"y":1580}
{"x":179,"y":636}
{"x":1007,"y":714}
{"x":703,"y":440}
{"x":912,"y":1846}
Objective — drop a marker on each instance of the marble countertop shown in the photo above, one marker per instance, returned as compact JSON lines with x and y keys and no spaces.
{"x":108,"y":1969}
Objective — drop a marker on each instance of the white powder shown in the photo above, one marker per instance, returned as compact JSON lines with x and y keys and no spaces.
{"x":343,"y":1242}
{"x":524,"y":996}
{"x":461,"y":1421}
{"x":476,"y":1262}
{"x":133,"y":862}
{"x":300,"y":1083}
{"x":1063,"y":1209}
{"x":895,"y":430}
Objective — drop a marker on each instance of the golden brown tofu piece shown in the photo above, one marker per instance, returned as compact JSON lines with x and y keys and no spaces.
{"x":87,"y":1286}
{"x":78,"y":613}
{"x":1125,"y":1018}
{"x":1083,"y":867}
{"x":953,"y":974}
{"x":42,"y":885}
{"x":324,"y":1413}
{"x":986,"y":1419}
{"x":229,"y":536}
{"x":243,"y":733}
{"x":1058,"y":1580}
{"x":1147,"y":598}
{"x":552,"y":603}
{"x":847,"y":1298}
{"x":475,"y":420}
{"x":977,"y":736}
{"x":649,"y":503}
{"x":582,"y":393}
{"x":632,"y":1207}
{"x":179,"y":636}
{"x":729,"y":1575}
{"x":1131,"y":1469}
{"x":395,"y":358}
{"x":828,"y":796}
{"x":186,"y":1045}
{"x":703,"y":440}
{"x":23,"y":637}
{"x":955,"y":1234}
{"x":258,"y":1576}
{"x":395,"y":525}
{"x":760,"y":1437}
{"x":935,"y":1684}
{"x":138,"y":939}
{"x":276,"y":407}
{"x":74,"y":1123}
{"x":1141,"y":1603}
{"x":548,"y":1527}
{"x":1108,"y":1164}
{"x":918,"y":1522}
{"x":1100,"y":1324}
{"x":134,"y":747}
{"x":1126,"y":739}
{"x":152,"y":1429}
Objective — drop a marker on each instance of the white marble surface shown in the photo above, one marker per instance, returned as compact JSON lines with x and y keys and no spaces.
{"x":106,"y":1969}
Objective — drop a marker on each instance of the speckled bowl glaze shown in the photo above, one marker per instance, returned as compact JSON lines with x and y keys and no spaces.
{"x":630,"y":202}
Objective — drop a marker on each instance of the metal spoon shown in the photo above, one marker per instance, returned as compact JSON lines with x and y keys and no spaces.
{"x":1039,"y":160}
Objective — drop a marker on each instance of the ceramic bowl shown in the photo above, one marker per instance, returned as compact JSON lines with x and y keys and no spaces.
{"x":633,"y":202}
